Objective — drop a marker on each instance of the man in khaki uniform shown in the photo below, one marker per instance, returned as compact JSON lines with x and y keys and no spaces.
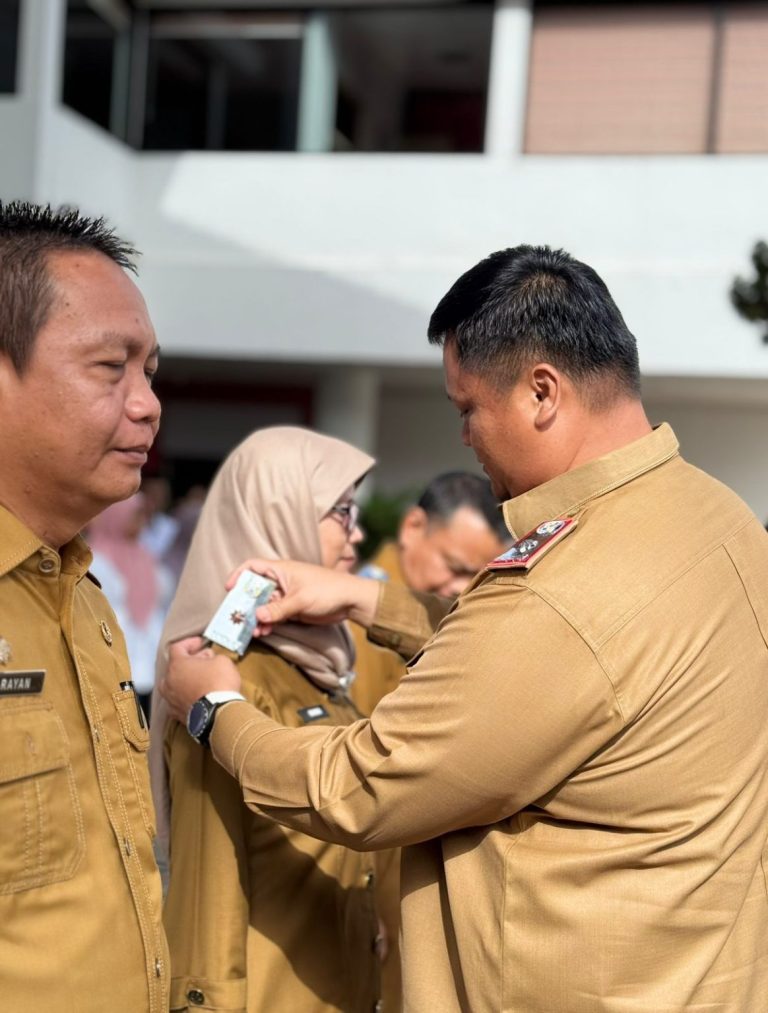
{"x":80,"y":900}
{"x":443,"y":540}
{"x":576,"y":762}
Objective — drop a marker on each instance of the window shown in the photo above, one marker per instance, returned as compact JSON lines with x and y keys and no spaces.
{"x":223,"y":82}
{"x":348,"y":79}
{"x":412,"y":80}
{"x":9,"y":34}
{"x":89,"y":63}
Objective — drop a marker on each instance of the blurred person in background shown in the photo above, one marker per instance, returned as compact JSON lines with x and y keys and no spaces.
{"x":261,"y":918}
{"x":137,"y":586}
{"x":186,"y":513}
{"x":160,"y":528}
{"x":453,"y":530}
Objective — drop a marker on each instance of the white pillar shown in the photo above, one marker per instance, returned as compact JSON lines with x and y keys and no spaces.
{"x":347,"y":405}
{"x":317,"y":87}
{"x":41,"y":61}
{"x":508,"y":78}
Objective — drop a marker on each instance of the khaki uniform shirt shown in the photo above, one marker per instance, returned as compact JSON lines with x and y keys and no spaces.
{"x":577,"y":762}
{"x":80,"y":898}
{"x":378,"y":669}
{"x":261,"y":918}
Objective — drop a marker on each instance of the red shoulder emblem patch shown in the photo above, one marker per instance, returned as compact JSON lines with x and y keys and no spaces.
{"x":529,"y":549}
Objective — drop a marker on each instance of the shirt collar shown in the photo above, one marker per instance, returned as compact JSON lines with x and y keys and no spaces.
{"x":568,"y":493}
{"x":19,"y":543}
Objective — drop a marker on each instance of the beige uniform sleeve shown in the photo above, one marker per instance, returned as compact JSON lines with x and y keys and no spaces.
{"x":404,"y":619}
{"x":504,"y":703}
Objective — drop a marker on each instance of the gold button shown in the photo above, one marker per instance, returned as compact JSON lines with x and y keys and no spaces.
{"x":106,"y":632}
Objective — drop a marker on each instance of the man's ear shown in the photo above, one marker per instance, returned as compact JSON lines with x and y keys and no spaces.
{"x":412,"y":526}
{"x":546,"y":384}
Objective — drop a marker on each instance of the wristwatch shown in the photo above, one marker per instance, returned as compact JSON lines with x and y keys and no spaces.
{"x":202,"y":713}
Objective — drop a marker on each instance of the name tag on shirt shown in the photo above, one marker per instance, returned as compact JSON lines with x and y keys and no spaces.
{"x":308,"y":714}
{"x":22,"y":683}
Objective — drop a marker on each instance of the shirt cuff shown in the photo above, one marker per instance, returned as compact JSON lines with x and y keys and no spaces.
{"x":402,"y":621}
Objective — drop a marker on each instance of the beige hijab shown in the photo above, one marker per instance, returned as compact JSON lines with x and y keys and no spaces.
{"x":267,"y":500}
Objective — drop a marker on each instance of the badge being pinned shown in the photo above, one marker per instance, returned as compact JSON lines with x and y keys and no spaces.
{"x":235,"y":620}
{"x":529,"y":549}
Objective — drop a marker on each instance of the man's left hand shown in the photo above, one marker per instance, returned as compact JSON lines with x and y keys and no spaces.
{"x":194,"y":670}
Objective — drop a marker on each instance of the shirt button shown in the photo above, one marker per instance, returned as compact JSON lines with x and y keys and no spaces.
{"x":369,"y":880}
{"x":196,"y":996}
{"x":47,"y":565}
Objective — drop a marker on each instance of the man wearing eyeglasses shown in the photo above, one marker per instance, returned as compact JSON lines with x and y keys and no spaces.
{"x":576,"y":763}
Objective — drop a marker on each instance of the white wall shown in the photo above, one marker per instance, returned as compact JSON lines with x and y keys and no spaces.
{"x":90,"y":169}
{"x":15,"y":150}
{"x":419,"y":436}
{"x":729,"y":442}
{"x":342,"y":257}
{"x":336,"y":258}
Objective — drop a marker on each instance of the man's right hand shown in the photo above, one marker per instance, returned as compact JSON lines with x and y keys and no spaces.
{"x":311,"y":594}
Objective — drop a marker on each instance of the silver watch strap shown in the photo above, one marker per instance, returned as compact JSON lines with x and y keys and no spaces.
{"x":223,"y":696}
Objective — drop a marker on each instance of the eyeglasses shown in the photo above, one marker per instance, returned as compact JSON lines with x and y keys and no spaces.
{"x":347,"y":514}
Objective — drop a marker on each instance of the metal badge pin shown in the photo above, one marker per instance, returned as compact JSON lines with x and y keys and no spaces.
{"x":5,"y":651}
{"x":549,"y":527}
{"x":106,"y":632}
{"x":529,"y":549}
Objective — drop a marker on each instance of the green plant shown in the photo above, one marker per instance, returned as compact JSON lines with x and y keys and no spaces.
{"x":380,"y":517}
{"x":751,"y":297}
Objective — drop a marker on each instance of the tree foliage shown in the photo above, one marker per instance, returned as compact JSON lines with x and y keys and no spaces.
{"x":751,"y":297}
{"x":380,"y":517}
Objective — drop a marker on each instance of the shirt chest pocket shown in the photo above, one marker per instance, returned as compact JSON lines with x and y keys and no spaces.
{"x":133,"y":725}
{"x":42,"y":839}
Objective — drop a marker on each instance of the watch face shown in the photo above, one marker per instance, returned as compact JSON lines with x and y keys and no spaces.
{"x":198,"y":718}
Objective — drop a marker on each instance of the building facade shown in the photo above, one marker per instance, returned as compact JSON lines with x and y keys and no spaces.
{"x":306,"y":183}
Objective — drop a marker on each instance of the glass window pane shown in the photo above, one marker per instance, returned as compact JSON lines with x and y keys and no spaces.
{"x":9,"y":34}
{"x":412,"y":80}
{"x":88,"y":63}
{"x":237,"y":94}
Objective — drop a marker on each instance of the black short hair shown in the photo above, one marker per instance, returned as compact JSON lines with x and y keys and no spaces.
{"x":532,"y":303}
{"x":447,"y":492}
{"x":28,"y":234}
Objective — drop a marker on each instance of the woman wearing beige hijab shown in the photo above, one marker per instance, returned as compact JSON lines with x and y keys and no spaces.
{"x":261,"y":918}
